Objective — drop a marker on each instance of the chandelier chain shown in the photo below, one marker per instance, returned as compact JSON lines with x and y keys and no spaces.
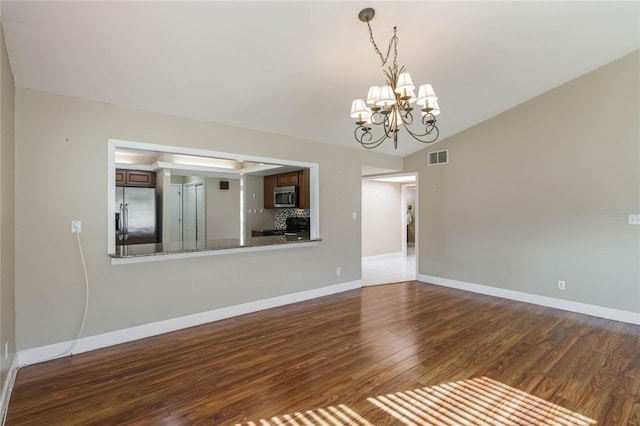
{"x":393,"y":42}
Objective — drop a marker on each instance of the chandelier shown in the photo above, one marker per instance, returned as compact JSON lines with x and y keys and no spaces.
{"x":391,"y":104}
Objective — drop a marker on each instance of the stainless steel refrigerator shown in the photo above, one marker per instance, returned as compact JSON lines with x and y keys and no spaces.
{"x":135,"y":215}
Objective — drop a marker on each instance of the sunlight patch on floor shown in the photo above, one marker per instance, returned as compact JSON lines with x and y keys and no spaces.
{"x":479,"y":401}
{"x":330,"y":416}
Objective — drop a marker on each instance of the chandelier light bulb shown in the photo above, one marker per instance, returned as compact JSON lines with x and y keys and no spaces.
{"x":374,"y":95}
{"x":431,"y":107}
{"x":411,"y":96}
{"x":426,"y":92}
{"x":436,"y":108}
{"x":360,"y":111}
{"x":387,"y":98}
{"x":405,"y":83}
{"x":358,"y":107}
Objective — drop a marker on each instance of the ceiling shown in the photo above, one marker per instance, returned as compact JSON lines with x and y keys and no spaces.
{"x":194,"y":165}
{"x":293,"y":68}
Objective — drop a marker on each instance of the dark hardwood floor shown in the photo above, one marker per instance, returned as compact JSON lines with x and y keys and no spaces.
{"x":406,"y":353}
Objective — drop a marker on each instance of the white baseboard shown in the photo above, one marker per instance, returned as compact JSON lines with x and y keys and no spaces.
{"x":551,"y":302}
{"x":382,"y":256}
{"x":85,"y":344}
{"x":7,"y":388}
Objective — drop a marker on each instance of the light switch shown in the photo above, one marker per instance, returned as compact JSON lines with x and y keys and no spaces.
{"x":355,"y":215}
{"x":634,"y":219}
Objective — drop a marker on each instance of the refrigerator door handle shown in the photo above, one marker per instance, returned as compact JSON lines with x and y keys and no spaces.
{"x":126,"y":221}
{"x":120,"y":224}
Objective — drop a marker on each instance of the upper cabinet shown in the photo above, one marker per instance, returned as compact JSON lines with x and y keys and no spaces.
{"x":139,"y":178}
{"x":287,"y":179}
{"x":299,"y":179}
{"x":270,"y":183}
{"x":303,"y":181}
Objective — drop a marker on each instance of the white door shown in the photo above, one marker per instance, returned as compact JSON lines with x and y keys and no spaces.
{"x":175,"y":215}
{"x":189,"y":213}
{"x":200,"y":213}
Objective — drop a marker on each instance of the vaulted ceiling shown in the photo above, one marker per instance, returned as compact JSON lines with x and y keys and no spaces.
{"x":293,"y":68}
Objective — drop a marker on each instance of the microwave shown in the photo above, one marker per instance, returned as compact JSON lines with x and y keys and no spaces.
{"x":285,"y":196}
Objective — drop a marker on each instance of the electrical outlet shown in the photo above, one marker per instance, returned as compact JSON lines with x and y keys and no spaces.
{"x":634,"y":219}
{"x":338,"y":271}
{"x":561,"y":285}
{"x":6,"y":351}
{"x":76,"y":226}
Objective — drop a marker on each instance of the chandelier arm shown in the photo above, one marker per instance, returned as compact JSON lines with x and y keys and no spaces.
{"x":407,"y":117}
{"x":366,"y":134}
{"x":378,"y":115}
{"x":388,"y":124}
{"x":429,"y":131}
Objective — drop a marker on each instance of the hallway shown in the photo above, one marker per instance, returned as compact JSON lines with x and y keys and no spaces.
{"x":391,"y":270}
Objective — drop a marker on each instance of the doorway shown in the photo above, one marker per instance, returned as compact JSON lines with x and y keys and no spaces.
{"x":389,"y":228}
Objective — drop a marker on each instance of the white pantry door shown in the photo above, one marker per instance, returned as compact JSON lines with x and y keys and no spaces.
{"x":189,"y":213}
{"x":194,"y":212}
{"x":175,"y":214}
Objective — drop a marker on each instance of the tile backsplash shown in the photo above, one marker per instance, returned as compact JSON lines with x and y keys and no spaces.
{"x":283,"y":214}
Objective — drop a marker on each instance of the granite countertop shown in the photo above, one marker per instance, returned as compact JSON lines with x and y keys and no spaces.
{"x":139,"y":250}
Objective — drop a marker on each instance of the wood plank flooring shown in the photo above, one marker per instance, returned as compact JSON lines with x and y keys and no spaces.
{"x":406,"y":353}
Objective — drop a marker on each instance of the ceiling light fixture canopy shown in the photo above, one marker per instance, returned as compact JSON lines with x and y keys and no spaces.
{"x":391,"y":104}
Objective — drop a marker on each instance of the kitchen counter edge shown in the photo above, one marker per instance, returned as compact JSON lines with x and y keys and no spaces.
{"x":154,"y":252}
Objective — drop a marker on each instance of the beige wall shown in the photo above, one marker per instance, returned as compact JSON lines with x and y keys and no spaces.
{"x":254,"y":199}
{"x":541,"y":193}
{"x":7,"y":218}
{"x":61,"y":174}
{"x":381,"y":218}
{"x":222,"y":209}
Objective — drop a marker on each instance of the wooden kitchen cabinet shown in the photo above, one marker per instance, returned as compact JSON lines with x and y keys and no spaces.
{"x":288,"y":179}
{"x":299,"y":179}
{"x":139,"y":178}
{"x":121,"y":177}
{"x":304,"y":193}
{"x":270,"y":183}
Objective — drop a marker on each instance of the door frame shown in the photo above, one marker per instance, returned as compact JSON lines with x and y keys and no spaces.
{"x":403,"y":208}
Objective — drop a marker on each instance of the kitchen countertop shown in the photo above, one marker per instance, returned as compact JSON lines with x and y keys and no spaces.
{"x":141,"y":250}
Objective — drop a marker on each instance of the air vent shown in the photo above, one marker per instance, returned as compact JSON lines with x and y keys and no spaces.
{"x":438,"y":157}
